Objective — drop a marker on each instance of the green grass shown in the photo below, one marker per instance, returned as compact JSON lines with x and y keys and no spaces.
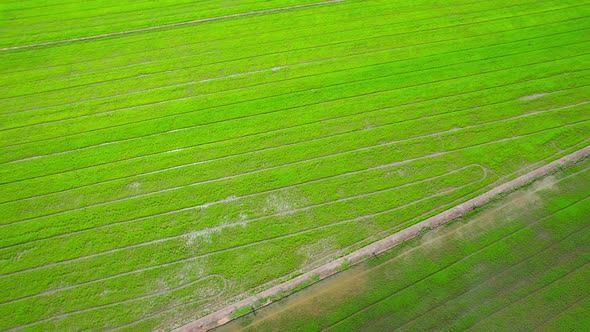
{"x":149,"y":178}
{"x":520,"y":263}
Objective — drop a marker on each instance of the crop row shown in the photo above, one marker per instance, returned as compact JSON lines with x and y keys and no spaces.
{"x":468,"y":284}
{"x":330,"y":98}
{"x":253,"y":57}
{"x":242,"y":164}
{"x":341,"y":123}
{"x":403,"y":200}
{"x":135,"y":258}
{"x":245,"y":28}
{"x":309,"y":54}
{"x":75,"y":25}
{"x":286,"y":174}
{"x":516,"y":237}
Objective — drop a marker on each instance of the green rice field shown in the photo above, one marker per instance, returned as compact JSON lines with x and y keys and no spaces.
{"x":160,"y":160}
{"x":520,"y":264}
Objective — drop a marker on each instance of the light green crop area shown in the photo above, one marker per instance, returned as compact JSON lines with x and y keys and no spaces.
{"x":521,"y":264}
{"x":149,"y":178}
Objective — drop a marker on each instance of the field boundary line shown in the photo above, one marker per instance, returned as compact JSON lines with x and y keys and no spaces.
{"x":222,"y":316}
{"x":551,"y":215}
{"x":178,"y":261}
{"x":439,"y":237}
{"x":371,"y":305}
{"x":163,"y":26}
{"x":298,"y":162}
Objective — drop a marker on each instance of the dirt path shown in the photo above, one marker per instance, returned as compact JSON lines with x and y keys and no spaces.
{"x":163,"y":26}
{"x":223,"y":315}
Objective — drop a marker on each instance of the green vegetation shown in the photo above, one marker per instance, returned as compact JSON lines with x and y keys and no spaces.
{"x":149,"y":178}
{"x":519,"y":264}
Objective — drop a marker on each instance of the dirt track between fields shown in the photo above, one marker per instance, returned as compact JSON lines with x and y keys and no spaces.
{"x":170,"y":25}
{"x":222,"y":316}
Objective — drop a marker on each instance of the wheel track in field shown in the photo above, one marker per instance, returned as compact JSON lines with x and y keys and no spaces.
{"x":265,"y":33}
{"x":265,"y":70}
{"x":276,"y":111}
{"x":471,"y":254}
{"x":289,"y":164}
{"x":249,"y":220}
{"x":245,"y":58}
{"x":397,"y":163}
{"x":524,"y":297}
{"x":246,"y":245}
{"x":289,"y":128}
{"x":133,"y":299}
{"x":270,"y":54}
{"x":392,"y":240}
{"x":163,"y":26}
{"x":494,"y":276}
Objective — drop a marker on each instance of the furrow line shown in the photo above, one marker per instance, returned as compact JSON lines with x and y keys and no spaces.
{"x":489,"y":245}
{"x":259,"y":44}
{"x":253,"y":243}
{"x":299,"y":162}
{"x":497,"y":274}
{"x":302,"y":125}
{"x":445,"y":215}
{"x":493,"y":276}
{"x":272,"y":111}
{"x":571,"y":306}
{"x":258,"y":56}
{"x":264,"y":33}
{"x":271,"y":69}
{"x":396,"y":163}
{"x":276,"y":147}
{"x":246,"y":221}
{"x":395,"y":238}
{"x":142,"y":297}
{"x":526,"y":296}
{"x":163,"y":26}
{"x":305,"y":48}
